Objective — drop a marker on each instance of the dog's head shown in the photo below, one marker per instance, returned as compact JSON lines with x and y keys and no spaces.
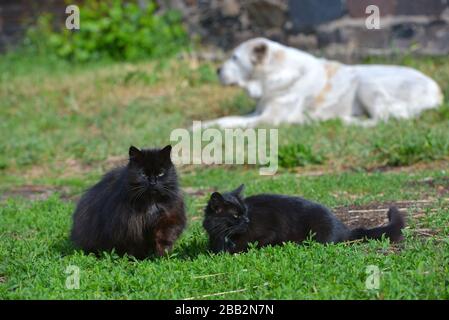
{"x":248,"y":58}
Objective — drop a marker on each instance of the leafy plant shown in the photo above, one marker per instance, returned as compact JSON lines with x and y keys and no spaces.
{"x":412,"y":148}
{"x":294,"y":155}
{"x":138,"y":76}
{"x":112,"y":29}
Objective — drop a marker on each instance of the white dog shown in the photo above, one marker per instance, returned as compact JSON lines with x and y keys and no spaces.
{"x":292,"y":86}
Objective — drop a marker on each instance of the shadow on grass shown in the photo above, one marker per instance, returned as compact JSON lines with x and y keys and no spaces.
{"x":190,"y":251}
{"x":183,"y":252}
{"x":64,"y":247}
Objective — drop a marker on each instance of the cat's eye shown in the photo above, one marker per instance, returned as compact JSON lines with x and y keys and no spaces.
{"x":234,"y":57}
{"x":161,"y":174}
{"x":236,"y":215}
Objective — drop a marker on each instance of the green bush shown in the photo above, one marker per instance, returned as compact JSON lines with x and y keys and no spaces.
{"x":413,"y":148}
{"x":112,"y":29}
{"x":295,"y":155}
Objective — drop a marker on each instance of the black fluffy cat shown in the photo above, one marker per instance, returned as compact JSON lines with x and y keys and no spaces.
{"x":136,"y":209}
{"x":233,"y":222}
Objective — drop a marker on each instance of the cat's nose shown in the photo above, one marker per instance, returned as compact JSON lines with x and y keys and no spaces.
{"x":152,"y":182}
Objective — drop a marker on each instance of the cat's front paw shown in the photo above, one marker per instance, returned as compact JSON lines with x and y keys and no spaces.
{"x":163,"y":248}
{"x":228,"y":244}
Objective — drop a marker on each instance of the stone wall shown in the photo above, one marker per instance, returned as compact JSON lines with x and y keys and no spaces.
{"x":335,"y":28}
{"x":17,"y":15}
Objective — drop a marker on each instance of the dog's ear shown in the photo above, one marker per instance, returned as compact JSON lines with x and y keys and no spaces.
{"x":259,"y":53}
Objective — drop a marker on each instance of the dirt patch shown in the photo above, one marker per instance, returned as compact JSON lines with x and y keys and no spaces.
{"x":198,"y":192}
{"x":426,"y":232}
{"x":317,"y":170}
{"x":332,"y":168}
{"x":34,"y":172}
{"x":34,"y":192}
{"x":440,"y":185}
{"x":43,"y":192}
{"x":2,"y":279}
{"x":115,"y":161}
{"x":375,"y":213}
{"x":64,"y":169}
{"x":69,"y":168}
{"x":438,"y":164}
{"x":72,"y":167}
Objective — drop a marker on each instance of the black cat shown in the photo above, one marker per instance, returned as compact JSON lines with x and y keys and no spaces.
{"x":137,"y":209}
{"x":232,"y":222}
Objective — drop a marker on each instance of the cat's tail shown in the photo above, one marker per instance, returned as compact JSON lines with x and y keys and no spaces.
{"x":393,"y":230}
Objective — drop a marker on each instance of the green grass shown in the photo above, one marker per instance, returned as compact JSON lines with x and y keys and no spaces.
{"x":63,"y":126}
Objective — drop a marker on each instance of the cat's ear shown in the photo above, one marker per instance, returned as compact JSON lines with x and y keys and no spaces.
{"x":165,"y":152}
{"x":135,"y":154}
{"x":216,"y":201}
{"x":239,"y":190}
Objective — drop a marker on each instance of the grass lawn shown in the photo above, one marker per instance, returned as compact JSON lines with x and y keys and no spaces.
{"x":63,"y":126}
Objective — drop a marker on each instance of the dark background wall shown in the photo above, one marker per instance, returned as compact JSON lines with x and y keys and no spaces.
{"x":335,"y":28}
{"x":17,"y":15}
{"x":332,"y":27}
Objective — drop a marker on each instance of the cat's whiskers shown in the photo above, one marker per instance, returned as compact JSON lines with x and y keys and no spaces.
{"x":170,"y":191}
{"x":227,"y":231}
{"x":216,"y":228}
